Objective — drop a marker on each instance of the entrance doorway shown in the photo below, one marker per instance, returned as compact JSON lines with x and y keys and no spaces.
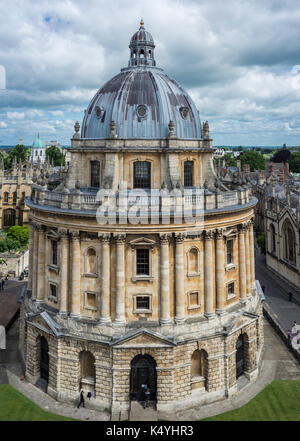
{"x":143,"y":372}
{"x":239,"y":356}
{"x":44,"y":359}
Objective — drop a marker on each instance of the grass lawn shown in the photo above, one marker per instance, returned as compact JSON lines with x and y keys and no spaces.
{"x":279,"y":401}
{"x":16,"y":407}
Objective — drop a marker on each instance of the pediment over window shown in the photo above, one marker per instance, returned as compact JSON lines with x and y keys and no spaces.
{"x":143,"y":338}
{"x":44,"y":322}
{"x":52,"y":234}
{"x":142,"y":241}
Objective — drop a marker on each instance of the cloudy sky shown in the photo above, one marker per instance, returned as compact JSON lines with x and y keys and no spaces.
{"x":238,"y":59}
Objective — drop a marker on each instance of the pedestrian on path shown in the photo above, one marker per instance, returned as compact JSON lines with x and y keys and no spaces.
{"x":294,"y":328}
{"x":289,"y":337}
{"x":263,"y":288}
{"x":1,"y":286}
{"x":290,"y":296}
{"x":81,"y":400}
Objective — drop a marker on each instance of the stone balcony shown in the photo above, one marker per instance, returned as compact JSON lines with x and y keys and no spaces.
{"x":88,"y":200}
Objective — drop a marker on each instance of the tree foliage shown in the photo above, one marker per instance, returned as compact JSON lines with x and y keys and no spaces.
{"x":55,"y":156}
{"x":261,"y":242}
{"x":230,"y":161}
{"x":254,"y":159}
{"x":294,"y":162}
{"x":20,"y":234}
{"x":20,"y":152}
{"x":282,"y":155}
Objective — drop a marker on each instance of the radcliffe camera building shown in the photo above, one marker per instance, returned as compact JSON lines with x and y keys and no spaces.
{"x":174,"y":305}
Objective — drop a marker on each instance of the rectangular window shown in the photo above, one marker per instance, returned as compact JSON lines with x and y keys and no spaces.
{"x":142,"y":174}
{"x":142,"y":262}
{"x":230,"y":290}
{"x":229,"y":252}
{"x":95,"y":174}
{"x":54,"y":252}
{"x":188,"y":173}
{"x":194,"y":300}
{"x":142,"y":302}
{"x":90,"y":300}
{"x":53,"y":291}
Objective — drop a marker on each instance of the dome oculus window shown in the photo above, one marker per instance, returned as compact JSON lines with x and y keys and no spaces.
{"x":184,"y":111}
{"x":142,"y":111}
{"x":100,"y":112}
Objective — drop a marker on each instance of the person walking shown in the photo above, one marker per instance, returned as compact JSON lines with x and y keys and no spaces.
{"x":81,"y":400}
{"x":290,"y":296}
{"x":294,"y":328}
{"x":3,"y":283}
{"x":1,"y":287}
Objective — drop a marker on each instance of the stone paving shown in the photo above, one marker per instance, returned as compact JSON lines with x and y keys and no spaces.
{"x":277,"y":363}
{"x":9,"y":301}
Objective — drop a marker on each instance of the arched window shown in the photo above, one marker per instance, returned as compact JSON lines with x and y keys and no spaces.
{"x":9,"y":218}
{"x":272,"y":239}
{"x":142,"y":174}
{"x":193,"y":261}
{"x":6,"y":197}
{"x":95,"y":174}
{"x":188,"y":173}
{"x":91,"y":261}
{"x":142,"y":53}
{"x":14,"y":197}
{"x":199,"y":366}
{"x":289,"y":242}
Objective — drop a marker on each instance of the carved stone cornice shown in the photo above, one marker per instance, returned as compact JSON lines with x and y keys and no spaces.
{"x":242,"y":227}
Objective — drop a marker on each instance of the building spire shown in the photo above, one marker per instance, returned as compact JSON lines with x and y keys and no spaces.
{"x":142,"y":23}
{"x":142,"y":48}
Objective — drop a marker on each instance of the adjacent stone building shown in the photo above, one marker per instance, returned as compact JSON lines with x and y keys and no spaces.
{"x":169,"y":302}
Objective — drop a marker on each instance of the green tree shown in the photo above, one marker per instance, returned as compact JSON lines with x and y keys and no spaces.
{"x":254,"y":159}
{"x":230,"y":161}
{"x":261,"y":242}
{"x":55,"y":156}
{"x":9,"y":244}
{"x":19,"y":234}
{"x":20,"y":152}
{"x":294,"y":162}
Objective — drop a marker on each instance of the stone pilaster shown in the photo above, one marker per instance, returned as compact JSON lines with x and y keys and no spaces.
{"x":179,"y":279}
{"x":76,"y":274}
{"x":208,"y":274}
{"x":252,"y":256}
{"x":248,"y":264}
{"x":220,"y":272}
{"x":242,"y":263}
{"x":105,"y":280}
{"x":31,"y":245}
{"x":40,"y":292}
{"x":164,"y":280}
{"x":64,"y":271}
{"x":120,"y":279}
{"x":33,"y":269}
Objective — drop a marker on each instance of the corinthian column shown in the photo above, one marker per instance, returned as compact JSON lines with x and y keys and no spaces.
{"x":64,"y":271}
{"x":248,"y":259}
{"x":76,"y":274}
{"x":33,"y":268}
{"x":220,"y":271}
{"x":31,"y":241}
{"x":179,"y":279}
{"x":242,"y":262}
{"x":105,"y":280}
{"x":120,"y":279}
{"x":252,"y":257}
{"x":164,"y":280}
{"x":40,"y":294}
{"x":208,"y":274}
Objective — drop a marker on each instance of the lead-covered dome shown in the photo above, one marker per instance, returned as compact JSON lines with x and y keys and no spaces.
{"x":142,"y":100}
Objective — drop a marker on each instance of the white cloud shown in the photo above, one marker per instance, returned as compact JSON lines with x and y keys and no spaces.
{"x":238,"y":59}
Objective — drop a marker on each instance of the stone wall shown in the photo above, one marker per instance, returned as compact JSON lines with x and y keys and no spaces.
{"x":14,"y":262}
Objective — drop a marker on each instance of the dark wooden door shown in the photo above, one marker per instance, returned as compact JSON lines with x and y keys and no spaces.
{"x":44,"y":359}
{"x":143,"y":371}
{"x":239,"y":357}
